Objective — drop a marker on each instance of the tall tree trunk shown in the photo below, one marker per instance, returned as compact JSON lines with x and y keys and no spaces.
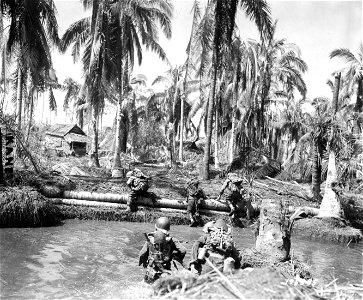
{"x":234,"y":108}
{"x":359,"y":106}
{"x":30,"y":119}
{"x":330,"y":206}
{"x":1,"y":157}
{"x":124,"y":132}
{"x":94,"y":153}
{"x":216,"y":144}
{"x":173,"y":120}
{"x":210,"y":114}
{"x":273,"y":238}
{"x":316,"y":176}
{"x":80,"y":119}
{"x":19,"y":99}
{"x":181,"y":133}
{"x":336,"y":93}
{"x":264,"y":96}
{"x":118,"y":144}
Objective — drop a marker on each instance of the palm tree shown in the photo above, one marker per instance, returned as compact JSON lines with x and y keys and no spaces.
{"x":353,"y":73}
{"x":224,"y":21}
{"x":33,"y":29}
{"x":137,"y":25}
{"x":72,"y":89}
{"x":113,"y":36}
{"x":188,"y":63}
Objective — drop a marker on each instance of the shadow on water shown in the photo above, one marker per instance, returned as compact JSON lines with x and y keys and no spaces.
{"x":99,"y":259}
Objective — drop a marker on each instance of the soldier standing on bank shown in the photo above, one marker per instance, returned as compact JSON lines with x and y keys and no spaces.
{"x":236,"y":197}
{"x":138,"y":182}
{"x":194,"y":198}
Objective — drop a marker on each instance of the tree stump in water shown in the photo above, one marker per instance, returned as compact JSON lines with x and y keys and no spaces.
{"x":273,"y":238}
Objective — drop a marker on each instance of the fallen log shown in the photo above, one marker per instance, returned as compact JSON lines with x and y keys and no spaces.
{"x":77,"y":202}
{"x":158,"y":203}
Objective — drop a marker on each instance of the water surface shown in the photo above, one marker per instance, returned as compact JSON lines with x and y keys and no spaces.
{"x":99,"y":259}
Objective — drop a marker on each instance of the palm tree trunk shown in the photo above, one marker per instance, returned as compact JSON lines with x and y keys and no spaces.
{"x":94,"y":153}
{"x":31,"y":110}
{"x":273,"y":240}
{"x":181,"y":133}
{"x":210,"y":114}
{"x":336,"y":93}
{"x":330,"y":206}
{"x":216,"y":144}
{"x":81,"y":118}
{"x":118,"y":144}
{"x":1,"y":157}
{"x":358,"y":106}
{"x":234,"y":105}
{"x":316,"y":176}
{"x":19,"y":99}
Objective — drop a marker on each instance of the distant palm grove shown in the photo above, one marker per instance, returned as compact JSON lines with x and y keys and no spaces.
{"x":232,"y":93}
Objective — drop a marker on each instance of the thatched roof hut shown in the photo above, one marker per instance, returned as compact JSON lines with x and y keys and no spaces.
{"x":67,"y":139}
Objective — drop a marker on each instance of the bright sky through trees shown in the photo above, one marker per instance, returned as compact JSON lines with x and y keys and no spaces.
{"x":317,"y":27}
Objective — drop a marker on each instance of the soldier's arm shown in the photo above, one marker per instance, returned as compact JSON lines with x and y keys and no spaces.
{"x":197,"y":244}
{"x":144,"y":255}
{"x":179,"y":249}
{"x":224,"y":186}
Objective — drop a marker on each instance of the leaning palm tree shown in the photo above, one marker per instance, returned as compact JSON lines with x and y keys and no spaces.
{"x":353,"y":73}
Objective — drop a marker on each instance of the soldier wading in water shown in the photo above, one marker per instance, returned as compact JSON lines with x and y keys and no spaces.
{"x":194,"y":198}
{"x":160,"y":251}
{"x":215,"y":245}
{"x":236,"y":197}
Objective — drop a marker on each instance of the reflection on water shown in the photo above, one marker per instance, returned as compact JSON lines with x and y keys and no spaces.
{"x":98,"y":259}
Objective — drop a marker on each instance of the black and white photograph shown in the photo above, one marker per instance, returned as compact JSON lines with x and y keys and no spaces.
{"x":181,"y":149}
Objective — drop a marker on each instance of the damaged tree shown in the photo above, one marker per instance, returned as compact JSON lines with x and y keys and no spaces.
{"x":273,"y":236}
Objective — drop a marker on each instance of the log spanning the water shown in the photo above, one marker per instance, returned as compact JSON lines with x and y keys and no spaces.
{"x":143,"y":201}
{"x":98,"y":204}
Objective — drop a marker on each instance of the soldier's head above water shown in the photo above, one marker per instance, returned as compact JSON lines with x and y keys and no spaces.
{"x":235,"y":178}
{"x":159,"y":240}
{"x":221,"y":224}
{"x":162,"y":224}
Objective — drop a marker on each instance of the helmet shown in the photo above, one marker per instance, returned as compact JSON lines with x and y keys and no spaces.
{"x":221,"y":224}
{"x":159,"y":238}
{"x":163,"y":224}
{"x":234,"y":178}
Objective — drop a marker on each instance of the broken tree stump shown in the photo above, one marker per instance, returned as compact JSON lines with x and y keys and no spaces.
{"x":273,"y":236}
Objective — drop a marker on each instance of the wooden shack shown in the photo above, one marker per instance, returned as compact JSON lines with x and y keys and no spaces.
{"x":67,"y":140}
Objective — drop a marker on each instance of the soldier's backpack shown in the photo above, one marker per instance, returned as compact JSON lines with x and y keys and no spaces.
{"x":221,"y":239}
{"x":140,"y":184}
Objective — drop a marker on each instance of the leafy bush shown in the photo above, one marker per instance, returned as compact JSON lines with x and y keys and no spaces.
{"x":23,"y":207}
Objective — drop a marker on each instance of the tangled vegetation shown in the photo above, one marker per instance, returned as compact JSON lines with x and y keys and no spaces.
{"x":25,"y":207}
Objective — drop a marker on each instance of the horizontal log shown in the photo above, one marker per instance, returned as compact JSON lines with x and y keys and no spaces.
{"x":91,"y":196}
{"x":162,"y":202}
{"x":77,"y":202}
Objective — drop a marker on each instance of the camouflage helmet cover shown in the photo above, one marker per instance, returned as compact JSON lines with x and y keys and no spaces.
{"x":234,"y":178}
{"x":221,"y":224}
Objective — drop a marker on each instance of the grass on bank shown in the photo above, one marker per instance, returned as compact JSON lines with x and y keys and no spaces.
{"x":25,"y":207}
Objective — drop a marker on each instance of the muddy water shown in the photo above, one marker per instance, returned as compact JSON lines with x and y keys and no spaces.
{"x":98,"y":259}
